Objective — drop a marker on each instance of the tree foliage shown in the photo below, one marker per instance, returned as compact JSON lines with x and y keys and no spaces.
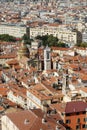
{"x":8,"y":38}
{"x":26,"y":39}
{"x":83,"y":44}
{"x":50,"y":40}
{"x":61,"y":44}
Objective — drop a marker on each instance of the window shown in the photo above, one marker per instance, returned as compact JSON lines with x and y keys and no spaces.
{"x":77,"y":127}
{"x":48,"y":56}
{"x":68,"y":121}
{"x":68,"y":128}
{"x":78,"y":120}
{"x":56,"y":65}
{"x":84,"y":126}
{"x":85,"y":119}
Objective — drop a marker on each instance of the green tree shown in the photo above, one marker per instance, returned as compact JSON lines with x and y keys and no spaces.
{"x":26,"y":39}
{"x":8,"y":38}
{"x":48,"y":39}
{"x":61,"y":44}
{"x":83,"y":44}
{"x":52,"y":41}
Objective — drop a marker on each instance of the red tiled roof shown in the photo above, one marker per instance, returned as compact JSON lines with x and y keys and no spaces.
{"x":13,"y":62}
{"x":60,"y":48}
{"x":32,"y":120}
{"x":8,"y":56}
{"x":3,"y":91}
{"x":76,"y":106}
{"x":60,"y":107}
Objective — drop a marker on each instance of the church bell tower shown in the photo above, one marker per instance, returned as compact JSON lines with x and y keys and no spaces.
{"x":47,"y":58}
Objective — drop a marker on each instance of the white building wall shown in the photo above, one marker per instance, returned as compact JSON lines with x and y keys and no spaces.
{"x":16,"y":99}
{"x":62,"y":34}
{"x":32,"y":101}
{"x":14,"y":30}
{"x":7,"y":124}
{"x":82,"y":52}
{"x":84,"y":36}
{"x":83,"y":93}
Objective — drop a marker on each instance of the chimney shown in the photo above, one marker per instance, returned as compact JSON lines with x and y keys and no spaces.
{"x":26,"y":121}
{"x":57,"y":128}
{"x":44,"y":120}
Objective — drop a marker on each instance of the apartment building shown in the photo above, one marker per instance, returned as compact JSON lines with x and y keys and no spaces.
{"x":16,"y":30}
{"x":37,"y":99}
{"x":76,"y":115}
{"x":67,"y":36}
{"x":17,"y":97}
{"x":63,"y":34}
{"x":43,"y":30}
{"x":84,"y":36}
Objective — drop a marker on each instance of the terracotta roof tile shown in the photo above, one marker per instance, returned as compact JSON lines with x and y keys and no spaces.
{"x":75,"y":106}
{"x":32,"y":120}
